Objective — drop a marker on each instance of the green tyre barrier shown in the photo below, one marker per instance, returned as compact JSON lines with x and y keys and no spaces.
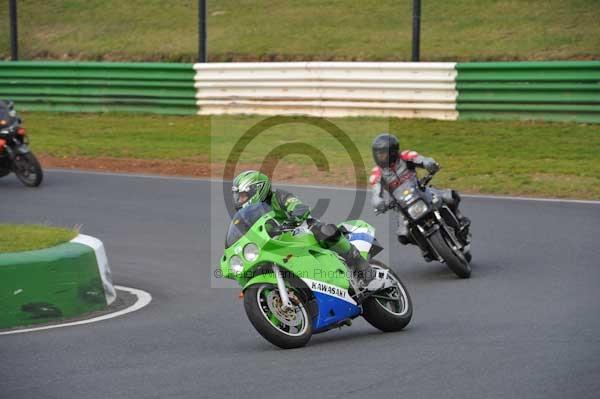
{"x":56,"y":283}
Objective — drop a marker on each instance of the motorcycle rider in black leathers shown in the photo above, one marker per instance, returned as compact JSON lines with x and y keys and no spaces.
{"x":393,"y":168}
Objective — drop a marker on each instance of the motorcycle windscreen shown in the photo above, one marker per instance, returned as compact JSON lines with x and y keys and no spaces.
{"x":243,"y":221}
{"x":5,"y":117}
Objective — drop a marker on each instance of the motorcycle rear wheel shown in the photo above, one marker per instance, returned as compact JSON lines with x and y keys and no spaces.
{"x":28,"y":170}
{"x":287,"y":330}
{"x":391,"y":309}
{"x":459,"y":265}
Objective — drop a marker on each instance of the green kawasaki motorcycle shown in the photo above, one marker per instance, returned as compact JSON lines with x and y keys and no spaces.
{"x":294,"y":288}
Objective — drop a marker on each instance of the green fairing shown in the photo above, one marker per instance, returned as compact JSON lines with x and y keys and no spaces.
{"x":300,"y":255}
{"x":268,"y":278}
{"x":50,"y":284}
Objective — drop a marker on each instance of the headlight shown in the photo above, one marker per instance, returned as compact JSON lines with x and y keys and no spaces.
{"x":418,"y":209}
{"x":251,"y":252}
{"x":237,"y":265}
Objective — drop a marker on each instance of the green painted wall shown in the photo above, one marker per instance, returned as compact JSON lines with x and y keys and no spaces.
{"x":48,"y":285}
{"x":100,"y":87}
{"x":555,"y":91}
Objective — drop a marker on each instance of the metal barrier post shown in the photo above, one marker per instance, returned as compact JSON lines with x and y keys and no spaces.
{"x":202,"y":31}
{"x":416,"y":40}
{"x":14,"y":42}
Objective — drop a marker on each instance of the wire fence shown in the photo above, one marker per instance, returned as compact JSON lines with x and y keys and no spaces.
{"x":288,"y":30}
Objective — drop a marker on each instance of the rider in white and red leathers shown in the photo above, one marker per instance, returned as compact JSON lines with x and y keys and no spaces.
{"x":395,"y":168}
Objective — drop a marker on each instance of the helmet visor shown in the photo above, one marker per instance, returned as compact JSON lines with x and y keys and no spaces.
{"x":240,"y":198}
{"x":382,"y":156}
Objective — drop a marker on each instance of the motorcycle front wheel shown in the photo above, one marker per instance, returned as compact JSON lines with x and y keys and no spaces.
{"x":456,"y":262}
{"x":28,"y":169}
{"x":389,"y":309}
{"x":286,"y":329}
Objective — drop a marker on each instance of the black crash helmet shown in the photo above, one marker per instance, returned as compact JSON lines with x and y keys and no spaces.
{"x":385,"y":149}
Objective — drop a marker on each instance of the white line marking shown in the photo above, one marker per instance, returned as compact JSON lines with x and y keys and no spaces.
{"x":316,"y":186}
{"x":143,"y":299}
{"x":513,"y":198}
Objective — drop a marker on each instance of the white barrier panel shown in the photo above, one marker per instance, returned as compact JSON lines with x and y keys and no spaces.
{"x":329,"y":89}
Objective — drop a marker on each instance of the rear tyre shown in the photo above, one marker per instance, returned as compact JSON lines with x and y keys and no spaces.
{"x":390,"y":309}
{"x":456,"y":262}
{"x":285,"y":329}
{"x":28,"y":170}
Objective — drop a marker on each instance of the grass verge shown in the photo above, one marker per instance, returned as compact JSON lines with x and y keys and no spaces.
{"x":517,"y":158}
{"x":269,"y":30}
{"x":18,"y":238}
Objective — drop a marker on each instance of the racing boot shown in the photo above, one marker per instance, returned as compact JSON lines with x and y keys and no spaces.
{"x":330,"y":237}
{"x":464,"y":221}
{"x":454,"y":202}
{"x":427,"y":256}
{"x":368,"y":278}
{"x":465,"y":224}
{"x":402,"y":232}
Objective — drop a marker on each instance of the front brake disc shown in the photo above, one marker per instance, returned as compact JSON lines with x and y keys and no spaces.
{"x":291,"y":317}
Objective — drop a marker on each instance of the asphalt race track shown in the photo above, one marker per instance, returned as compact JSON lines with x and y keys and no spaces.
{"x":524,"y":326}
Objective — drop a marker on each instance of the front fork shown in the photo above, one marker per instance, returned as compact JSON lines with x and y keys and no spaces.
{"x":456,"y":244}
{"x":20,"y":149}
{"x":285,"y":299}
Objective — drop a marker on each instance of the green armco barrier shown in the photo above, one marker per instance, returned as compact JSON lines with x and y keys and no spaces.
{"x":545,"y":90}
{"x":554,"y":91}
{"x":51,"y":284}
{"x":99,"y":87}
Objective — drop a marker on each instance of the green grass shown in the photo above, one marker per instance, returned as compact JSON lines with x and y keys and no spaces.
{"x":462,"y":30}
{"x":18,"y":238}
{"x":522,"y":158}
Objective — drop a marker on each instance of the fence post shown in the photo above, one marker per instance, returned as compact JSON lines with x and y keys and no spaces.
{"x":201,"y":30}
{"x":14,"y":40}
{"x":416,"y":40}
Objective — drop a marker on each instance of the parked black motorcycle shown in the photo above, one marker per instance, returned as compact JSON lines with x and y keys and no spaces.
{"x":433,"y":226}
{"x":15,"y":155}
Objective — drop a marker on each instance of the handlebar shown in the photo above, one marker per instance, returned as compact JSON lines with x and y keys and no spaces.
{"x":291,"y":226}
{"x":425,"y":181}
{"x":387,"y":206}
{"x":10,"y":128}
{"x":394,"y":205}
{"x":276,"y":230}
